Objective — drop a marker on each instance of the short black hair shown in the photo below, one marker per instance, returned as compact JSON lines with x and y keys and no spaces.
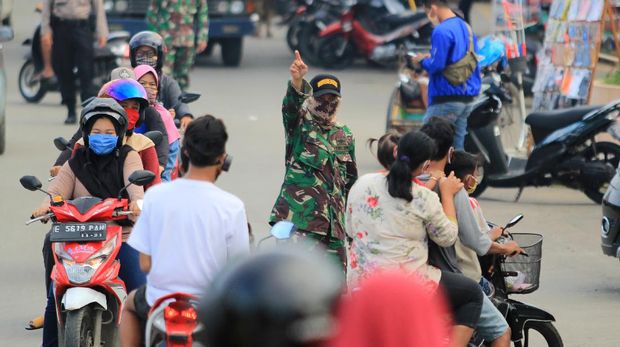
{"x":442,"y":131}
{"x":385,"y":147}
{"x":205,"y":140}
{"x":463,"y":164}
{"x":444,"y":3}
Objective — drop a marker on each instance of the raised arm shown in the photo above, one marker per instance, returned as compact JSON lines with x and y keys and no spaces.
{"x":298,"y":90}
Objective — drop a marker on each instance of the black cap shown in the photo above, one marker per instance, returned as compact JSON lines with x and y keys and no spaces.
{"x":325,"y":84}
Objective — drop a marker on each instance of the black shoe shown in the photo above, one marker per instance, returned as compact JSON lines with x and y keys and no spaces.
{"x":71,"y":118}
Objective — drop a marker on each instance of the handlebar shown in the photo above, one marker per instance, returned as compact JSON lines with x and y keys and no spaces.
{"x":122,"y":213}
{"x":46,"y":216}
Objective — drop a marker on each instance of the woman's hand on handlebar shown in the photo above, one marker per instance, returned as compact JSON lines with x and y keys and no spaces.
{"x":54,"y":171}
{"x":135,"y":210}
{"x":512,"y":248}
{"x":450,"y":185}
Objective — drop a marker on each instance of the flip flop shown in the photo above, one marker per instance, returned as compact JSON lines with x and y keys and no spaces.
{"x":36,"y":323}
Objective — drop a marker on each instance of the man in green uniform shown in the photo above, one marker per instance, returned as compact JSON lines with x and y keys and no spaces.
{"x":320,"y":160}
{"x":184,"y":25}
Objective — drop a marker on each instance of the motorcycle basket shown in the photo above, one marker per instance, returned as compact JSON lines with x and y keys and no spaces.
{"x":522,"y":273}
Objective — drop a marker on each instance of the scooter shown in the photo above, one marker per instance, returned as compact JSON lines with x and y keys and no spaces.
{"x":106,"y":59}
{"x":565,"y":150}
{"x":88,"y":293}
{"x":173,"y":322}
{"x":610,"y":224}
{"x":342,"y":41}
{"x":520,"y":274}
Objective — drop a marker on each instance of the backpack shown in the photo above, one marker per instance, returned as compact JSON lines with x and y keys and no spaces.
{"x":459,"y":72}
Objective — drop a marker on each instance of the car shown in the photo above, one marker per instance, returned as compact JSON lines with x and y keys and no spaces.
{"x":6,"y":34}
{"x":229,"y":22}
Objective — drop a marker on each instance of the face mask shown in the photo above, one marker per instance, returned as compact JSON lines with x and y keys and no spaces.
{"x":102,"y":144}
{"x":147,"y":59}
{"x":323,"y":111}
{"x":133,"y":116}
{"x":473,"y":187}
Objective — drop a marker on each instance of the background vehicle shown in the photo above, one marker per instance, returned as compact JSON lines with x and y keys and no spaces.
{"x":173,"y":321}
{"x":6,"y":34}
{"x":89,"y":295}
{"x":610,"y":224}
{"x":229,"y":22}
{"x":374,"y":33}
{"x":106,"y":59}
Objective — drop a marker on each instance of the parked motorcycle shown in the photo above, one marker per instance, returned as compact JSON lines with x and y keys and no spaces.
{"x":520,"y":274}
{"x":173,"y":322}
{"x":359,"y":32}
{"x":89,"y":295}
{"x":565,"y":150}
{"x":106,"y":59}
{"x":610,"y":224}
{"x":310,"y":22}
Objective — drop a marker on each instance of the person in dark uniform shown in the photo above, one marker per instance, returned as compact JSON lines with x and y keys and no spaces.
{"x":68,"y":25}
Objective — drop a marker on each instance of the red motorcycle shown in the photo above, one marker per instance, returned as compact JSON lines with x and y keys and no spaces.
{"x":88,"y":293}
{"x":173,"y":322}
{"x":376,"y":38}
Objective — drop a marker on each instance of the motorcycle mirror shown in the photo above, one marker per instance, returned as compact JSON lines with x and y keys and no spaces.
{"x":61,"y":143}
{"x":31,"y":183}
{"x":186,"y":98}
{"x":155,"y":136}
{"x":141,"y":177}
{"x":283,"y":230}
{"x":514,"y":221}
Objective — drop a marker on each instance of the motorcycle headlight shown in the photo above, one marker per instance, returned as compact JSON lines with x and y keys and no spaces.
{"x":108,"y":5}
{"x":222,"y":7}
{"x":118,"y":47}
{"x":82,"y":272}
{"x":237,"y":7}
{"x":121,"y":6}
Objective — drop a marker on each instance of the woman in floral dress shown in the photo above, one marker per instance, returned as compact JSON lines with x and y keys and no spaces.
{"x":390,"y":220}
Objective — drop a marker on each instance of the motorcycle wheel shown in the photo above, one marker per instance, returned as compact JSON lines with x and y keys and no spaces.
{"x":79,"y":330}
{"x":292,"y":34}
{"x":32,"y":91}
{"x":608,"y":153}
{"x":308,"y":39}
{"x":327,"y":52}
{"x":546,"y":330}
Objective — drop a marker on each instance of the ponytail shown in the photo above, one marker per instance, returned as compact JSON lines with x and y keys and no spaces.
{"x":399,"y":180}
{"x":413,"y":149}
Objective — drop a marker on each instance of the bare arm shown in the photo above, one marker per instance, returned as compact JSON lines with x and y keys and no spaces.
{"x":145,"y":263}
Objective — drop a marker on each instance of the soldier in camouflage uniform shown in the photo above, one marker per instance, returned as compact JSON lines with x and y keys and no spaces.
{"x":177,"y":21}
{"x":320,"y":161}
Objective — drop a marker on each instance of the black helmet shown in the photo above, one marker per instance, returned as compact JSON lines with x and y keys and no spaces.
{"x":103,"y":107}
{"x":149,"y":39}
{"x":280,"y":299}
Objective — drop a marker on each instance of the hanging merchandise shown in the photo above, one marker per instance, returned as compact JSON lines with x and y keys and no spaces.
{"x":568,"y":60}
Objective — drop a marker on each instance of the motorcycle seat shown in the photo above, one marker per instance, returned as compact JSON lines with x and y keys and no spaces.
{"x":544,"y":123}
{"x":407,"y":17}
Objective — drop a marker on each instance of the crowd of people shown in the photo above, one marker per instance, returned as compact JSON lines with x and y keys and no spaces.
{"x":395,"y":260}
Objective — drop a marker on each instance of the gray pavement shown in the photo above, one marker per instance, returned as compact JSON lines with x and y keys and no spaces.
{"x":579,"y":285}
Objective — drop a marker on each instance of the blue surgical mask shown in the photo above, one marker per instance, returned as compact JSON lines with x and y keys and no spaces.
{"x":102,"y":144}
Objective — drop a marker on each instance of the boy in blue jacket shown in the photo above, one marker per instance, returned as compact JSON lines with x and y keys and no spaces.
{"x":452,"y":44}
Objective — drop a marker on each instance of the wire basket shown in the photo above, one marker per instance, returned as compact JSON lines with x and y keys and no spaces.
{"x":522,"y":273}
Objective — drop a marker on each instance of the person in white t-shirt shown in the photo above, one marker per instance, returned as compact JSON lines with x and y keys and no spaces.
{"x":189,"y":229}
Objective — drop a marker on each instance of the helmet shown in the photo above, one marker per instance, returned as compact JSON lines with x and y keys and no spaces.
{"x":149,"y":39}
{"x":284,"y":298}
{"x":103,"y":107}
{"x":125,"y":89}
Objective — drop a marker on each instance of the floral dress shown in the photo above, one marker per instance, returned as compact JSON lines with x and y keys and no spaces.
{"x":390,"y":232}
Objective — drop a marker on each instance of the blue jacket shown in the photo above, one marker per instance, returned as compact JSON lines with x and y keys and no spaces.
{"x":449,"y":43}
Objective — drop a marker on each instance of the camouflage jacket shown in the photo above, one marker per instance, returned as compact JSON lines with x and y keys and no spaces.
{"x":320,"y":170}
{"x":177,"y":21}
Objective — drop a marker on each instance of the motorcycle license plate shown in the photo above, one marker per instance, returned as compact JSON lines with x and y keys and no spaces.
{"x":79,"y":232}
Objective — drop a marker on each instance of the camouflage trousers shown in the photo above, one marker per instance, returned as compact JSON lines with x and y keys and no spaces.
{"x":334,"y":248}
{"x":178,"y":62}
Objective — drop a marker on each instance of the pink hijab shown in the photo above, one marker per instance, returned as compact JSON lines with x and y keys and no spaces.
{"x":166,"y":117}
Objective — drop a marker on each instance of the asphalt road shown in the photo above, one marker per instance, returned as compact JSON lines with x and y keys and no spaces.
{"x":579,"y":285}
